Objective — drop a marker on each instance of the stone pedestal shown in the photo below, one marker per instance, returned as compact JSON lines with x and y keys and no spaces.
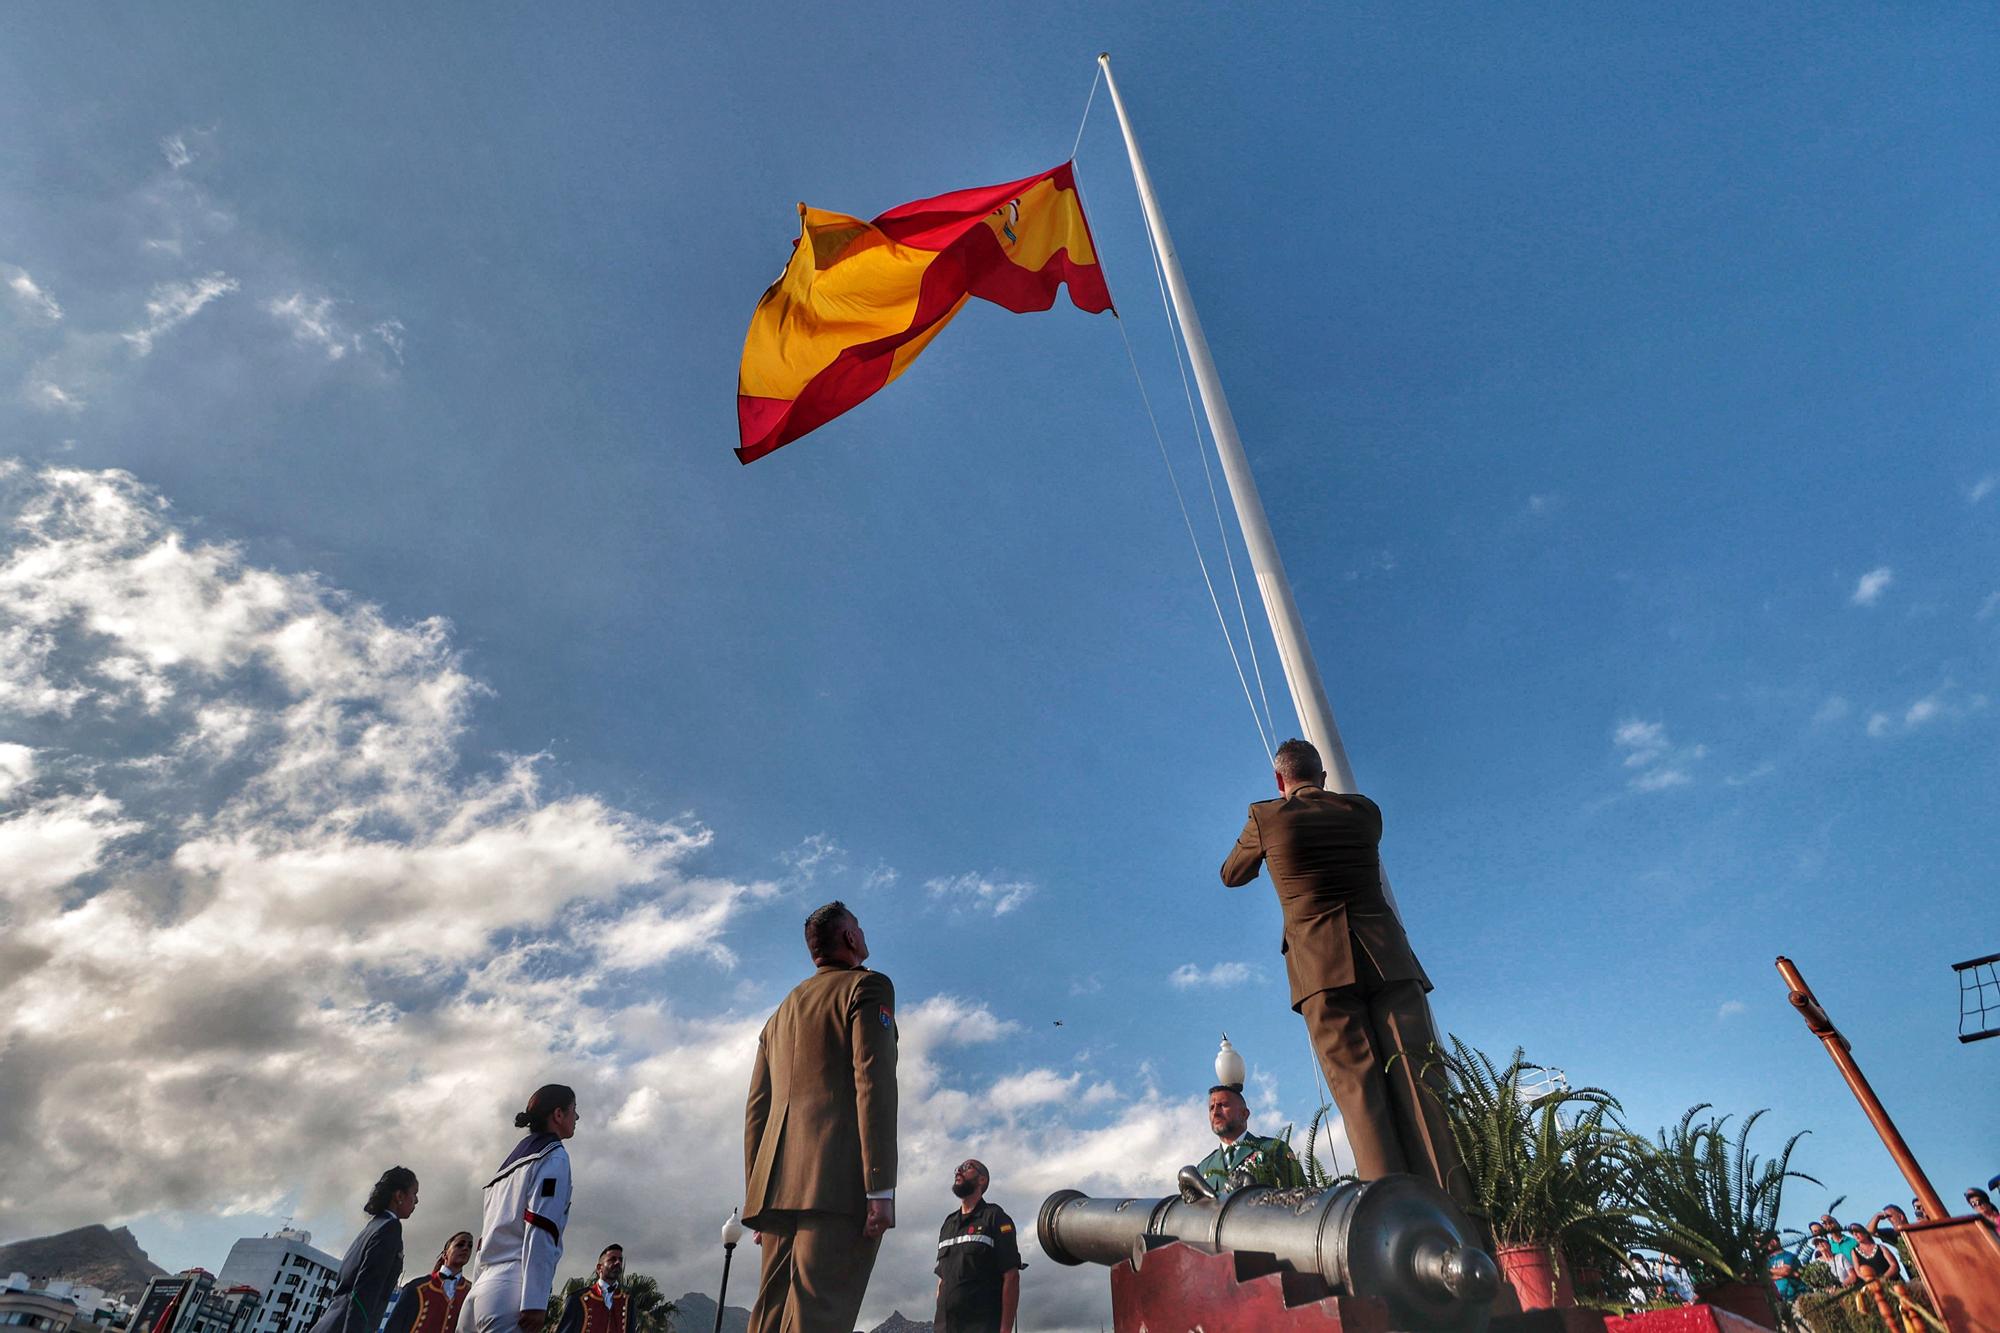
{"x":1185,"y":1288}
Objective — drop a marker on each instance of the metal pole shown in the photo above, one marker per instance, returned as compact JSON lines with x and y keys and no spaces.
{"x":1301,"y":671}
{"x":1287,"y":628}
{"x":1822,"y":1027}
{"x":722,"y":1299}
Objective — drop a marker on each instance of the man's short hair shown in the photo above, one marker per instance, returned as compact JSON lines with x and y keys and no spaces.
{"x":1298,"y":761}
{"x":823,"y":925}
{"x":608,"y":1249}
{"x":1234,"y":1089}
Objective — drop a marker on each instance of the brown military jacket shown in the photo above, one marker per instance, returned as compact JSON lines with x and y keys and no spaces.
{"x":819,"y":1132}
{"x":1321,"y":849}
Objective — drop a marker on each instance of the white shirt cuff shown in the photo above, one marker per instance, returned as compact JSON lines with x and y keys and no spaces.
{"x":888,"y":1194}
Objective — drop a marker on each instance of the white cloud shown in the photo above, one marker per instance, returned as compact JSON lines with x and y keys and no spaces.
{"x":1657,"y":764}
{"x":52,"y":397}
{"x":250,"y":861}
{"x":1643,"y":742}
{"x":1833,"y":710}
{"x":17,"y":768}
{"x":1757,"y":773}
{"x":1730,"y":1009}
{"x":311,"y":322}
{"x":1872,"y":585}
{"x":1189,"y":975}
{"x":1988,"y":607}
{"x":1946,"y":703}
{"x":1982,"y":488}
{"x":28,"y":296}
{"x":174,"y":304}
{"x":979,"y":893}
{"x":1543,"y":504}
{"x":175,"y":149}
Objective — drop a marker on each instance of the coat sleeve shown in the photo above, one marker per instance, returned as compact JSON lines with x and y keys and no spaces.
{"x":756,"y":1113}
{"x":1244,"y":858}
{"x":872,"y":1038}
{"x":375,"y":1277}
{"x":547,"y":1211}
{"x":404,"y":1316}
{"x":572,"y":1312}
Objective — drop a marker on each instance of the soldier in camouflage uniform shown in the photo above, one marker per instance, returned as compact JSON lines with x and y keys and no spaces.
{"x":1244,"y":1159}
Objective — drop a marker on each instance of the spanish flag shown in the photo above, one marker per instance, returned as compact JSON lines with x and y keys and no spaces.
{"x":859,"y":300}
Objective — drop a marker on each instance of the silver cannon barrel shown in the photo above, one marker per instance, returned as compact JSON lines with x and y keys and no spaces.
{"x":1397,"y":1238}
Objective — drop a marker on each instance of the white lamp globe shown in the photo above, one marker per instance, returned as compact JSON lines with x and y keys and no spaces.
{"x":732,"y":1230}
{"x":1228,"y":1064}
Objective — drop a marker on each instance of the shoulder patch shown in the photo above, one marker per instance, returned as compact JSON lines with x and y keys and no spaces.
{"x":888,"y":1015}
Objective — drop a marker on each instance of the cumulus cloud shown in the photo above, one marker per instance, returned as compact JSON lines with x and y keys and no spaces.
{"x":28,"y":297}
{"x":1188,"y":976}
{"x":174,"y":304}
{"x":979,"y":893}
{"x":1655,"y":762}
{"x":270,"y":922}
{"x":1869,"y":589}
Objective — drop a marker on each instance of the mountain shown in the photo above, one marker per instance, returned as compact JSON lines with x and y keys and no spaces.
{"x":695,"y":1313}
{"x":95,"y":1256}
{"x":895,"y":1323}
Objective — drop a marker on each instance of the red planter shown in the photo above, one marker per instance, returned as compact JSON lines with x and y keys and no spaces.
{"x":1750,"y":1300}
{"x":1539,"y":1275}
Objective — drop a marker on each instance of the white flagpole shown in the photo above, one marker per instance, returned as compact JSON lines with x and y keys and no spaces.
{"x":1301,"y":671}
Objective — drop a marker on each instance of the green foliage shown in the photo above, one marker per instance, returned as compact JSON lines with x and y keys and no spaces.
{"x":1706,"y":1199}
{"x":1546,"y":1167}
{"x":1317,"y":1176}
{"x":650,"y":1309}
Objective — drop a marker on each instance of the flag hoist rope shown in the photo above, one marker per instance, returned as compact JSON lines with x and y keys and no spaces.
{"x":1287,"y":627}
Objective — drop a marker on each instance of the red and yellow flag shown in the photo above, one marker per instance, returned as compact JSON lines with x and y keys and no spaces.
{"x":860,"y":300}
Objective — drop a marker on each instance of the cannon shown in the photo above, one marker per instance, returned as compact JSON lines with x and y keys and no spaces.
{"x":1397,"y":1238}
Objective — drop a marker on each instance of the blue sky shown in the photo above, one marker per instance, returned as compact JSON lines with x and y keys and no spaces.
{"x":1622,"y":389}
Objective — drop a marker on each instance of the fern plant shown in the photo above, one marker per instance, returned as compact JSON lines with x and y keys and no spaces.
{"x":1709,"y":1201}
{"x":1548,"y":1164}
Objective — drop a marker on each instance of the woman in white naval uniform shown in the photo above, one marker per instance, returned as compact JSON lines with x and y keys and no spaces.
{"x":525,"y":1215}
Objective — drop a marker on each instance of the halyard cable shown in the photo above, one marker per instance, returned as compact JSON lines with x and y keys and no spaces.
{"x":1201,"y":446}
{"x":1267,"y":729}
{"x":1187,"y":520}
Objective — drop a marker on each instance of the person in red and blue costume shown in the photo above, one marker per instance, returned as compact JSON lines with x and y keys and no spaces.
{"x":603,"y":1306}
{"x":429,"y":1303}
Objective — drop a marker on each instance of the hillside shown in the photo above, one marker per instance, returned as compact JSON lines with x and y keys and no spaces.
{"x":92,"y":1255}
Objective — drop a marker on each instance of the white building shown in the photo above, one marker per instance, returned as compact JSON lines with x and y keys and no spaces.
{"x":294,"y":1278}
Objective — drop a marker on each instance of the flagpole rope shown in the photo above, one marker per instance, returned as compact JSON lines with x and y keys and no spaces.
{"x":1187,"y":520}
{"x":1201,"y":446}
{"x":1095,"y":80}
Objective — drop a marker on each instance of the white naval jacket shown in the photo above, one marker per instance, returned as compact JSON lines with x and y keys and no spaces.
{"x":521,"y":1231}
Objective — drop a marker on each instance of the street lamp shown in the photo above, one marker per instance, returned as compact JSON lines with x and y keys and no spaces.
{"x":732,"y":1231}
{"x":1228,"y":1066}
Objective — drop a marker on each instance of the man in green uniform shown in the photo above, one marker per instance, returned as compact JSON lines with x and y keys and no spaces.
{"x":979,"y":1259}
{"x":1244,"y":1159}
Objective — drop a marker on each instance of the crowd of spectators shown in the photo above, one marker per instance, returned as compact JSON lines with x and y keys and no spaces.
{"x":1869,"y":1260}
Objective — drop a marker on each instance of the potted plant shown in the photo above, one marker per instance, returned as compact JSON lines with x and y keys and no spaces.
{"x":1706,"y":1199}
{"x":1546,"y":1163}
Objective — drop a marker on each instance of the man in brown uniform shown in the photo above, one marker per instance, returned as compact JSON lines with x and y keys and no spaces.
{"x":819,"y":1135}
{"x":1352,"y":974}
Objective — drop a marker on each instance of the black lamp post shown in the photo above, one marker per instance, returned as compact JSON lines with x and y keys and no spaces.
{"x":732,"y":1231}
